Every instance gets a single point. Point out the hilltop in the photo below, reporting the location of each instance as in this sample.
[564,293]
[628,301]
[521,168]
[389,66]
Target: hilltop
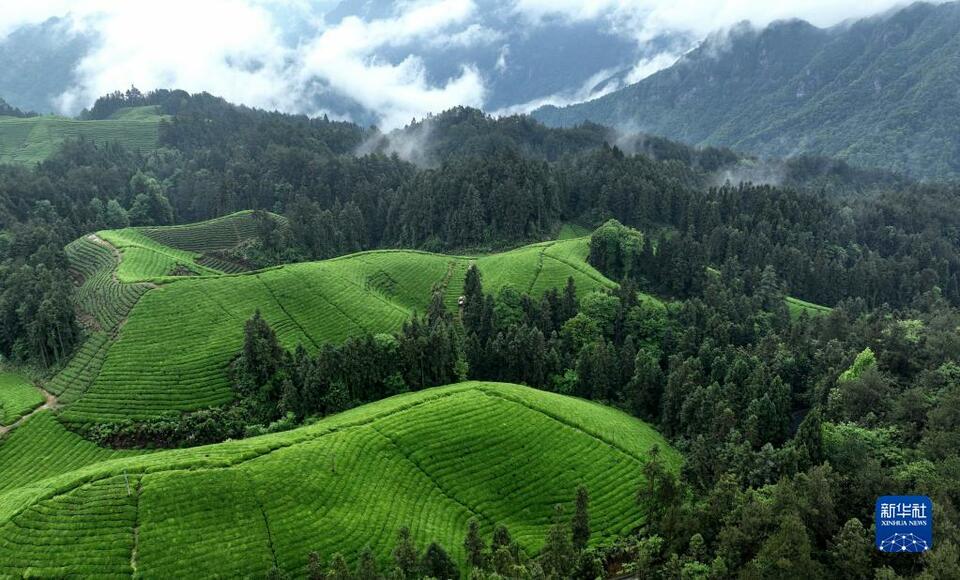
[431,460]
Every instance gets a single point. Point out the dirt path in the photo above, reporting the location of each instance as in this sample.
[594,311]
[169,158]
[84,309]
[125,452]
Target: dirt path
[117,256]
[50,402]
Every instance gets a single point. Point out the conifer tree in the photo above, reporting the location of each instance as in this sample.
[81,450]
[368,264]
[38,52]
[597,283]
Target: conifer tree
[580,524]
[474,545]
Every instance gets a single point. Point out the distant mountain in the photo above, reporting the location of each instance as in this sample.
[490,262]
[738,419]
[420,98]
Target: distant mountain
[879,92]
[37,64]
[522,65]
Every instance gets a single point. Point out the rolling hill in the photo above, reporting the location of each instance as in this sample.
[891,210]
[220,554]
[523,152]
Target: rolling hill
[431,460]
[33,139]
[160,342]
[880,92]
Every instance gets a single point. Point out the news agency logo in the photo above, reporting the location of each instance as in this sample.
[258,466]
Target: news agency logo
[904,523]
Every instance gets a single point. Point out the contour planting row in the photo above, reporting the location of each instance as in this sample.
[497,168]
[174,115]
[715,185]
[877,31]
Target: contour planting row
[174,350]
[87,532]
[18,397]
[430,460]
[220,233]
[145,259]
[33,139]
[42,447]
[101,295]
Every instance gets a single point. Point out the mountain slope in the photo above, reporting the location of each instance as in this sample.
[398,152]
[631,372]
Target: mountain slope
[880,92]
[162,342]
[430,460]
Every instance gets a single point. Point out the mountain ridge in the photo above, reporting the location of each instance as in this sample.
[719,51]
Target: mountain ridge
[875,92]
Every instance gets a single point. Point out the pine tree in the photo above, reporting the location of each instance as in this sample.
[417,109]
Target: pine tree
[580,524]
[405,553]
[501,537]
[436,563]
[262,352]
[852,551]
[557,553]
[367,565]
[473,299]
[568,303]
[474,545]
[339,569]
[315,567]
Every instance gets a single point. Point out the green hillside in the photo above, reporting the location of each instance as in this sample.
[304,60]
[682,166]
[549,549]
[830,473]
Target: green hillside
[17,397]
[41,448]
[797,307]
[160,342]
[431,460]
[173,351]
[33,139]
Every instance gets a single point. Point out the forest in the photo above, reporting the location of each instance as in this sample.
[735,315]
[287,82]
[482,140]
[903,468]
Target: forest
[791,422]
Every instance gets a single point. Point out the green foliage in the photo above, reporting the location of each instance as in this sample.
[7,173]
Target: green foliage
[865,360]
[184,367]
[17,397]
[34,139]
[209,509]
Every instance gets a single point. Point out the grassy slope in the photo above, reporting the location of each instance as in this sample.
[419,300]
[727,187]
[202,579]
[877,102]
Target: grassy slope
[33,139]
[173,351]
[18,397]
[431,460]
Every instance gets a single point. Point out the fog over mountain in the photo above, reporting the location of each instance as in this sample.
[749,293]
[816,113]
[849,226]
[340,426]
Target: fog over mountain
[879,92]
[370,61]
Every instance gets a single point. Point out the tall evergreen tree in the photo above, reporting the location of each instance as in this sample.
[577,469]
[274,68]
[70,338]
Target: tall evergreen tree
[436,563]
[405,553]
[473,544]
[580,524]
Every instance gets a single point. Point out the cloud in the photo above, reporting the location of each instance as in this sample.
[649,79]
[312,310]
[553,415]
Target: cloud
[282,54]
[345,57]
[599,84]
[243,60]
[237,49]
[648,66]
[646,19]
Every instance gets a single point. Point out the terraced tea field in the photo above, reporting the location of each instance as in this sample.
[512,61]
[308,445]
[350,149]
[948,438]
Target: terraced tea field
[431,460]
[174,348]
[151,254]
[217,234]
[33,139]
[41,447]
[18,397]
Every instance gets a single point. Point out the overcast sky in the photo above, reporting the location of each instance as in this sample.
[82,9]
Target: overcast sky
[272,53]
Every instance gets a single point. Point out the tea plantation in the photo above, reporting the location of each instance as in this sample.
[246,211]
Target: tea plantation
[17,397]
[430,460]
[33,139]
[173,350]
